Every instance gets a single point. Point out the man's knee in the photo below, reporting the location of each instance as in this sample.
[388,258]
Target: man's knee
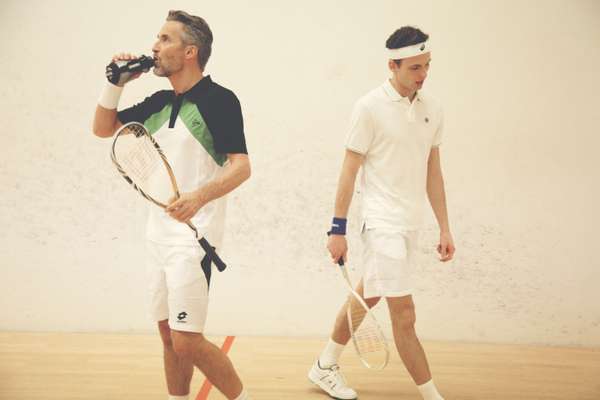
[403,315]
[372,301]
[407,320]
[186,344]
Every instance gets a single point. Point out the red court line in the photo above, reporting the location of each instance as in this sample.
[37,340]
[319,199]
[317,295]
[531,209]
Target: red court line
[206,386]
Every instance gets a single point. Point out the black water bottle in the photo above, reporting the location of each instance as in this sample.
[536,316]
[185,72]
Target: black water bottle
[119,72]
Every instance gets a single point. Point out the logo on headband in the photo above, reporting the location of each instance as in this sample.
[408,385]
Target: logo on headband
[409,51]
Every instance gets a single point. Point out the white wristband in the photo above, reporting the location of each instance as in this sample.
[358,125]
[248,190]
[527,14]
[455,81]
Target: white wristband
[109,98]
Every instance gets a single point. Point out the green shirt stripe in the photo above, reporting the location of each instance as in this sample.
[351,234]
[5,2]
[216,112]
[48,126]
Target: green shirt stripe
[157,120]
[194,122]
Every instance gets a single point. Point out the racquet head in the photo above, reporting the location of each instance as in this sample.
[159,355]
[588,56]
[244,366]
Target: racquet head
[140,160]
[367,336]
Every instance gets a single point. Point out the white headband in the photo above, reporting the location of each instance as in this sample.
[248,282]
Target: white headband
[409,51]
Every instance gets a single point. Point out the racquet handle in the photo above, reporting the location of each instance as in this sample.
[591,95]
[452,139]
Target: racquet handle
[212,254]
[341,261]
[208,249]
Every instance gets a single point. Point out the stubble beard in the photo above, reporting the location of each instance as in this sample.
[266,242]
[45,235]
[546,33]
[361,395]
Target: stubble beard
[160,71]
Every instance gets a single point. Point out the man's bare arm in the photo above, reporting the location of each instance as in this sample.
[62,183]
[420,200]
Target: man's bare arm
[337,245]
[435,189]
[437,198]
[106,122]
[345,190]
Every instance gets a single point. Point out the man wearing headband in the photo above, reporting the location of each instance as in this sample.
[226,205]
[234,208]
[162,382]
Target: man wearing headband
[395,133]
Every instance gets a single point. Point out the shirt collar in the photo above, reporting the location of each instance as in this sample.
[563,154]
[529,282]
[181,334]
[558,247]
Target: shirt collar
[393,94]
[200,87]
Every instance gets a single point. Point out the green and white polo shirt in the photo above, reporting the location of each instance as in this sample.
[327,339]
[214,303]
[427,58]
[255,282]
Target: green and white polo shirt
[196,130]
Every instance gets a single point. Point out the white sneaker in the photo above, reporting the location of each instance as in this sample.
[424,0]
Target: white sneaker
[331,381]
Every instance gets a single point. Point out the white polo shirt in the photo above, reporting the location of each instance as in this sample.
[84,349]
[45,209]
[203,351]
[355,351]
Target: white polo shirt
[396,137]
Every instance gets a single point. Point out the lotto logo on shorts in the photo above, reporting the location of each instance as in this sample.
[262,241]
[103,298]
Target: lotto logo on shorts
[181,316]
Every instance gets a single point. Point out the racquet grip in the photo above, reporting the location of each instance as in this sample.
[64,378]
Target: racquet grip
[212,254]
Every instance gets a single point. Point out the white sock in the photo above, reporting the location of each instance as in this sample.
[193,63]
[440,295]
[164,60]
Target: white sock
[171,397]
[429,391]
[243,396]
[331,354]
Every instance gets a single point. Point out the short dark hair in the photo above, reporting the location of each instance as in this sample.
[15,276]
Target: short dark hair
[405,36]
[195,32]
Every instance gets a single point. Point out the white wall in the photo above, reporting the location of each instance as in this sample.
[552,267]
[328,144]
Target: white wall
[519,81]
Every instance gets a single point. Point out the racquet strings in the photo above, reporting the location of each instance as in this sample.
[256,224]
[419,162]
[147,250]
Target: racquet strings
[366,334]
[141,161]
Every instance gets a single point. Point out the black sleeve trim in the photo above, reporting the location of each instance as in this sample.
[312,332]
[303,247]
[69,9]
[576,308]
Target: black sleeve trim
[222,113]
[142,111]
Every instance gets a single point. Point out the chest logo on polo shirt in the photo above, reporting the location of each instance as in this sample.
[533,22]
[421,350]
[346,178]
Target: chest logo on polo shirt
[426,119]
[422,47]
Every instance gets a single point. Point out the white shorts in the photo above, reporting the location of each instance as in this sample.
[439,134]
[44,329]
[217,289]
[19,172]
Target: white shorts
[389,258]
[178,285]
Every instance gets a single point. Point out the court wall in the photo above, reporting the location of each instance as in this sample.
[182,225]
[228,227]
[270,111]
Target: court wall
[519,84]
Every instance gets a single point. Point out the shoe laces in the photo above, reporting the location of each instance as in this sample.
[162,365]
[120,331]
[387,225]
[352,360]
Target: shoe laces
[336,375]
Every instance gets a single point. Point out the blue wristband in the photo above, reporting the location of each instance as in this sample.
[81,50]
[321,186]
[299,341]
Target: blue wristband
[338,226]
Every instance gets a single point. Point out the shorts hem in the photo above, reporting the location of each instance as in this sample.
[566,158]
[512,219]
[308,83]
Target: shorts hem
[386,293]
[159,317]
[399,294]
[186,328]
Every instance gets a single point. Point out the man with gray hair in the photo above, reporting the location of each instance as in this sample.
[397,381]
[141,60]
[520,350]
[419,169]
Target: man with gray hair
[200,129]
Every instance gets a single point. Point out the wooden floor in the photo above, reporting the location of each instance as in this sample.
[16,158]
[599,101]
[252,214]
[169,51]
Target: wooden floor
[108,366]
